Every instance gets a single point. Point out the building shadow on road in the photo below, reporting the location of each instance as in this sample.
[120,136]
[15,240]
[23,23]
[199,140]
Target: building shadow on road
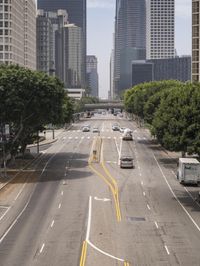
[48,167]
[187,200]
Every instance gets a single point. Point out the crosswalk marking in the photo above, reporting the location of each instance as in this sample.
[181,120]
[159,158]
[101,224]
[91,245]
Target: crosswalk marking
[103,137]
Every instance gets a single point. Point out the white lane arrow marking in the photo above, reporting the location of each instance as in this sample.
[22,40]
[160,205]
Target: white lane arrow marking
[104,199]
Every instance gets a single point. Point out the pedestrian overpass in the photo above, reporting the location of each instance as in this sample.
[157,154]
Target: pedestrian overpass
[104,104]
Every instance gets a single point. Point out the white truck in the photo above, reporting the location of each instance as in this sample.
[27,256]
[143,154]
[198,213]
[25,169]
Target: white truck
[188,171]
[127,134]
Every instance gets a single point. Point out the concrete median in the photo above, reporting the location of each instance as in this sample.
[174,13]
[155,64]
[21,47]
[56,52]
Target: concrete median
[96,150]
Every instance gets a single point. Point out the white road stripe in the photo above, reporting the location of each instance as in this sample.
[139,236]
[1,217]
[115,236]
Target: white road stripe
[29,199]
[88,137]
[59,206]
[20,191]
[52,223]
[142,183]
[43,245]
[8,208]
[140,174]
[76,137]
[61,193]
[117,147]
[144,194]
[148,207]
[82,137]
[103,252]
[89,219]
[173,173]
[156,224]
[198,228]
[167,249]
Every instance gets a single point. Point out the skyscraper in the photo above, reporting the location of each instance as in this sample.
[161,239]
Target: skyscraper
[92,75]
[18,33]
[72,56]
[130,39]
[49,39]
[160,29]
[195,40]
[76,10]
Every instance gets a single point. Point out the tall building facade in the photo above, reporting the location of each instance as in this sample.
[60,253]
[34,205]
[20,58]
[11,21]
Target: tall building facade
[130,35]
[195,40]
[160,27]
[29,34]
[177,68]
[76,10]
[50,42]
[18,32]
[92,75]
[72,56]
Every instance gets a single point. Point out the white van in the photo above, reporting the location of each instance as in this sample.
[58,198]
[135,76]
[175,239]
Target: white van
[126,162]
[127,134]
[189,171]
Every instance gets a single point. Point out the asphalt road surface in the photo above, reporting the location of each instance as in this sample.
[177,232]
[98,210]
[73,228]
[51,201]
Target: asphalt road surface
[68,210]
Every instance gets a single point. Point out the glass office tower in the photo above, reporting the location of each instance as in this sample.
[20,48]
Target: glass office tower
[76,10]
[130,40]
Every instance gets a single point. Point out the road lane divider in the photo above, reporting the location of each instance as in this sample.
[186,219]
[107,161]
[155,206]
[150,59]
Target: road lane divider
[118,213]
[87,241]
[83,253]
[108,179]
[114,183]
[115,189]
[173,193]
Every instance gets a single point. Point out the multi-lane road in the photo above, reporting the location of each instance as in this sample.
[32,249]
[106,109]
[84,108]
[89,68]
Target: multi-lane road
[68,210]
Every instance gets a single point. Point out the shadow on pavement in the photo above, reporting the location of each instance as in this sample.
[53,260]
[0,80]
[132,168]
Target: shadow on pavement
[71,164]
[187,201]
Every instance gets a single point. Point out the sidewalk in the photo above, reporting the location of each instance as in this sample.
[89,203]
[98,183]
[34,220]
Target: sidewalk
[50,137]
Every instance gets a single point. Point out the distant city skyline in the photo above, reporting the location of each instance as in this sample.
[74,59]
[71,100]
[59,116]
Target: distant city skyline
[100,29]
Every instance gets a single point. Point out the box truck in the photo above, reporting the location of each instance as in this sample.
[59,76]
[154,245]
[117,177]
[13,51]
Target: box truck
[188,171]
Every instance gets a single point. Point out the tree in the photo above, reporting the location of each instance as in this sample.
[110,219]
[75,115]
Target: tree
[176,123]
[28,100]
[136,98]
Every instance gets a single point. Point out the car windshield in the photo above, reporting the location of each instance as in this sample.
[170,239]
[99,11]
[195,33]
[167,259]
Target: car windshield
[127,159]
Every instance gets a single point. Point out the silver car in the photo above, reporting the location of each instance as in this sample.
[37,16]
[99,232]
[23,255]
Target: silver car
[126,162]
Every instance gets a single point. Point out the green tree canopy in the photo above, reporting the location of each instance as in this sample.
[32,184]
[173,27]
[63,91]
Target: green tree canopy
[136,98]
[176,123]
[29,100]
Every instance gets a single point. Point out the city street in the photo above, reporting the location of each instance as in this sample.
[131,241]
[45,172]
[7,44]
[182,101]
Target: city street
[69,210]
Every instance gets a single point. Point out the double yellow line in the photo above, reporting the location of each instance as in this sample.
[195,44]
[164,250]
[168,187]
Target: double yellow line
[115,192]
[111,182]
[126,264]
[83,253]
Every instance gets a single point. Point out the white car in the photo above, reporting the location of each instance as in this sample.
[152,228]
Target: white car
[85,129]
[126,162]
[122,129]
[95,130]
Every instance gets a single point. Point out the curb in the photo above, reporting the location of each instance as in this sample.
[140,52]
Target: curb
[42,143]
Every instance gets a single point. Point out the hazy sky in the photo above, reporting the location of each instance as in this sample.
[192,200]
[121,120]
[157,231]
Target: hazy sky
[100,28]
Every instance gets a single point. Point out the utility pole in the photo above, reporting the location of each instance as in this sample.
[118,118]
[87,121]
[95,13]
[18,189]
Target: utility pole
[3,141]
